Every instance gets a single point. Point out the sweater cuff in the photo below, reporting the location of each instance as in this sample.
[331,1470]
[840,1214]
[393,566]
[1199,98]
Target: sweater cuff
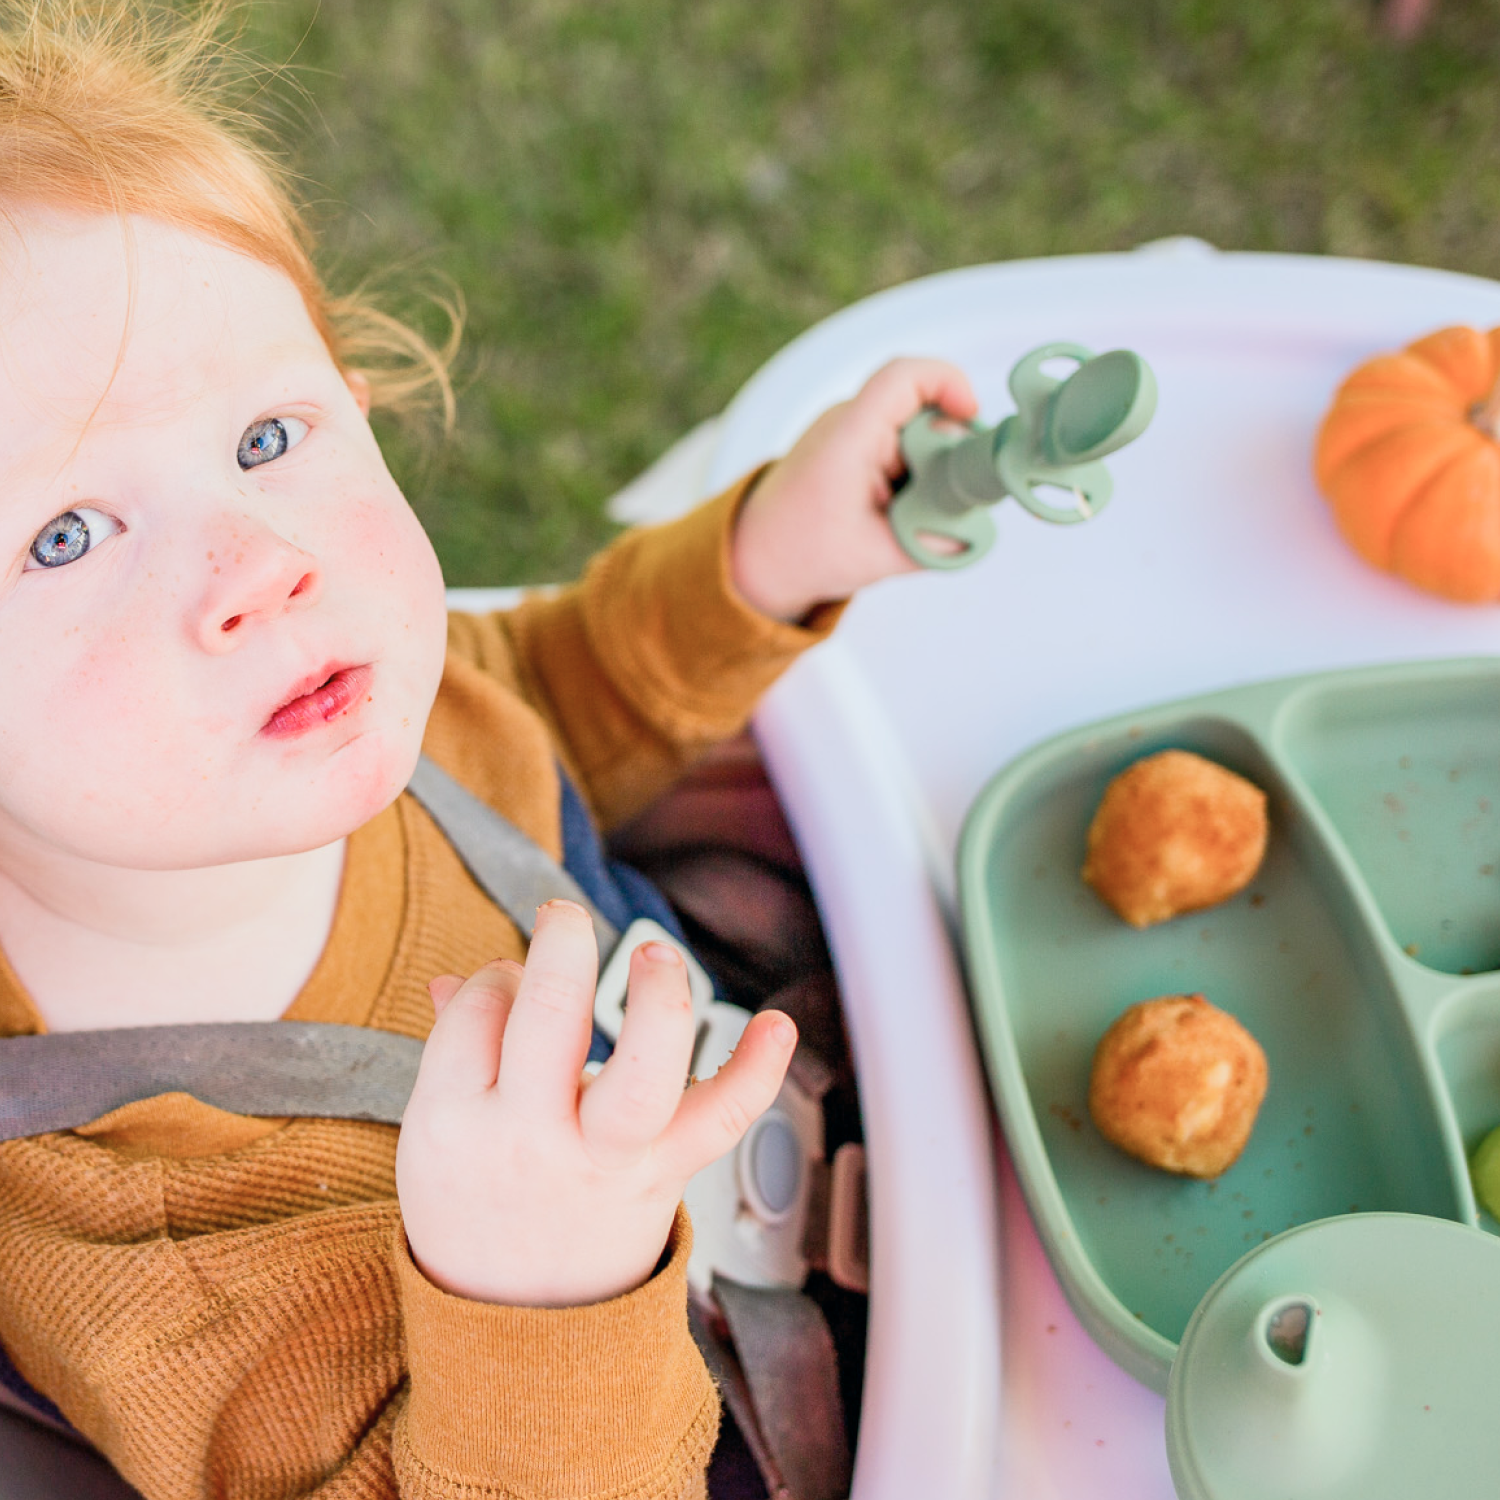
[663,616]
[611,1399]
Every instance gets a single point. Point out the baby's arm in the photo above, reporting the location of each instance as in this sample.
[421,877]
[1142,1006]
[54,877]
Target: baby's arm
[519,1184]
[675,631]
[522,1182]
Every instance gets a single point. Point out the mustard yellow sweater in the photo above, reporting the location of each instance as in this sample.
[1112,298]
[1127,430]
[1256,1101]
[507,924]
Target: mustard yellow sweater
[226,1306]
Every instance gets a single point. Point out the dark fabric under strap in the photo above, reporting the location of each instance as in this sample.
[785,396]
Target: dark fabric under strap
[299,1068]
[515,872]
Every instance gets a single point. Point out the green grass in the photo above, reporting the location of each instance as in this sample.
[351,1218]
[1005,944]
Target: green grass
[643,201]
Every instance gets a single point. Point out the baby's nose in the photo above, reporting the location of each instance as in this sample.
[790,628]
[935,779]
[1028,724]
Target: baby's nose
[254,576]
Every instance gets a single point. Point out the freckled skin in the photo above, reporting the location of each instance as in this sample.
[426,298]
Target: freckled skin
[136,681]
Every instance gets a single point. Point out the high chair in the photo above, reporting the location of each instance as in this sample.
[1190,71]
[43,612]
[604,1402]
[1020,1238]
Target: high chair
[1216,564]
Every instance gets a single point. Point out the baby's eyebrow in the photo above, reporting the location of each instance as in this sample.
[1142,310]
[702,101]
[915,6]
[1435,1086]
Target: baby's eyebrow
[301,354]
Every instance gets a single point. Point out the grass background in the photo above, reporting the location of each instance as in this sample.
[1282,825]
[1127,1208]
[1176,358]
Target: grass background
[641,202]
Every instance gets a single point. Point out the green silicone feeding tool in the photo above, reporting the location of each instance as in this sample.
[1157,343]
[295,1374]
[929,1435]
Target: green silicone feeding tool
[1059,433]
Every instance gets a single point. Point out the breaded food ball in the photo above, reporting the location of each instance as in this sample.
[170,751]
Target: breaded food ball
[1177,1083]
[1174,833]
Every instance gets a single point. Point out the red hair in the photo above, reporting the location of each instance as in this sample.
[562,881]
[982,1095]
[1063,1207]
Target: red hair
[126,109]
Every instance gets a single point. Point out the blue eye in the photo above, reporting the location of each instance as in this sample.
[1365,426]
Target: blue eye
[67,537]
[268,439]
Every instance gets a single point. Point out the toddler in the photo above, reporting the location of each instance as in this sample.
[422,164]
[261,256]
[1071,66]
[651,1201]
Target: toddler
[223,645]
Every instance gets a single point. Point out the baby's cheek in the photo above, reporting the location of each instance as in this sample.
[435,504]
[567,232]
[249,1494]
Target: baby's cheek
[70,738]
[392,564]
[103,713]
[386,543]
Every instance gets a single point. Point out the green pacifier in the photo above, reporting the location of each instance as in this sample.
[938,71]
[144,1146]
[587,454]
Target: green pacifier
[1056,439]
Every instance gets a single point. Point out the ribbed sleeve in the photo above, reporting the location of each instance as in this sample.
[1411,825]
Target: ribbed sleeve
[647,661]
[637,1415]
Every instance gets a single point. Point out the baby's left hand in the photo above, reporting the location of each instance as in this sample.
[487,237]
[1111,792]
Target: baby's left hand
[814,529]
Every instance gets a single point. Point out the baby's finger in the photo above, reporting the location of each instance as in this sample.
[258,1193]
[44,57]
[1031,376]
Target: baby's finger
[902,388]
[464,1046]
[635,1096]
[547,1036]
[716,1113]
[443,989]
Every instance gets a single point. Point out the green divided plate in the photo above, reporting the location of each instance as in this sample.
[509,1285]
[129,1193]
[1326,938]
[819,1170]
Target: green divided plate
[1365,957]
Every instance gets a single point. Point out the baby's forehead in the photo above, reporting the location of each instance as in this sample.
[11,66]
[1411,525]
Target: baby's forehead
[128,312]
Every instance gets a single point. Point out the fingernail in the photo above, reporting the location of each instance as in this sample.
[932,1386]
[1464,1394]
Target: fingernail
[661,953]
[784,1032]
[562,904]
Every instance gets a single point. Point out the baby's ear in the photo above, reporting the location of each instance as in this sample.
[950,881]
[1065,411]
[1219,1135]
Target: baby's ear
[359,387]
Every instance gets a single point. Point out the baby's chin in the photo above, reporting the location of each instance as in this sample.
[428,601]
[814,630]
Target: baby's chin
[287,814]
[355,785]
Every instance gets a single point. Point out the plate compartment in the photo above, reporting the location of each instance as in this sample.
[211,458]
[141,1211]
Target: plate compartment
[1365,958]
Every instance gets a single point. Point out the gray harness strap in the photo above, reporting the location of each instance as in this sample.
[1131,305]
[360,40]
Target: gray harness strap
[516,873]
[298,1068]
[784,1347]
[303,1068]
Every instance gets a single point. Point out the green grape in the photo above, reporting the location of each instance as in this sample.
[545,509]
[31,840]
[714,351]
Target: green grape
[1484,1169]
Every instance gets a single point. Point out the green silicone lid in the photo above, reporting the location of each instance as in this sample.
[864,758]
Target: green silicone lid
[1353,1358]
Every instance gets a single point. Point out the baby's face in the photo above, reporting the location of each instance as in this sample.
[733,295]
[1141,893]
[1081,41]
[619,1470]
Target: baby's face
[221,627]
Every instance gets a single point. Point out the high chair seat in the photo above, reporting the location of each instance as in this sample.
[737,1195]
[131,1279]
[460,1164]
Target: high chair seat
[1216,563]
[36,1464]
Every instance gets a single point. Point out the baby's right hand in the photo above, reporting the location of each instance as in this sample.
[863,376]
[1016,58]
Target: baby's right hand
[522,1182]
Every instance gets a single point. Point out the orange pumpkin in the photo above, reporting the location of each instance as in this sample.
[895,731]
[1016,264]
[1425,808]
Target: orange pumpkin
[1409,458]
